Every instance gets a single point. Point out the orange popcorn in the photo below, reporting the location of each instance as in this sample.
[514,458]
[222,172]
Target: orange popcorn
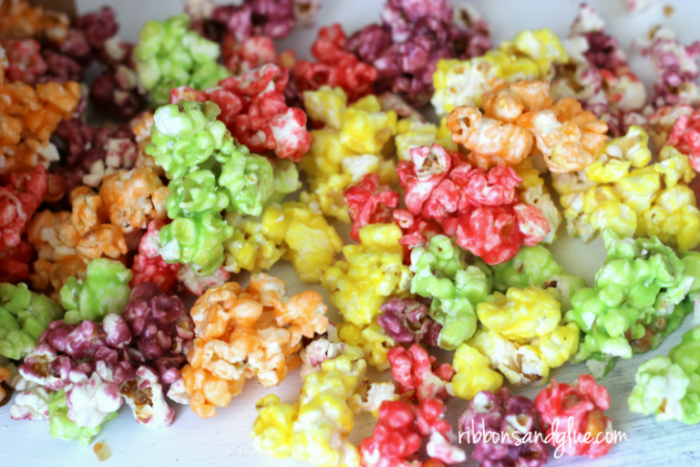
[66,241]
[520,119]
[19,20]
[244,333]
[132,198]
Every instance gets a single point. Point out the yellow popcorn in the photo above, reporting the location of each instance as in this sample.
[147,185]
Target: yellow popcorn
[674,166]
[619,155]
[604,209]
[316,429]
[639,189]
[248,248]
[371,272]
[533,192]
[520,314]
[529,56]
[572,188]
[673,218]
[473,373]
[354,142]
[558,346]
[309,242]
[372,339]
[412,133]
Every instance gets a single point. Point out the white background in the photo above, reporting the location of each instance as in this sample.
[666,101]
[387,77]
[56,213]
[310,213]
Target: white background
[224,440]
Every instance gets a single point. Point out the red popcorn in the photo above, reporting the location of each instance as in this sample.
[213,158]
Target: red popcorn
[273,18]
[369,202]
[418,374]
[685,136]
[413,37]
[149,266]
[336,67]
[399,433]
[572,417]
[163,326]
[253,52]
[481,208]
[15,261]
[25,61]
[416,231]
[18,202]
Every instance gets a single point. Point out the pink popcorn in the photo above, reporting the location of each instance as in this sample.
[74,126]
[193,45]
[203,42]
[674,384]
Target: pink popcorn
[31,405]
[149,266]
[406,320]
[25,61]
[324,347]
[91,400]
[685,136]
[144,395]
[369,202]
[418,374]
[197,284]
[45,367]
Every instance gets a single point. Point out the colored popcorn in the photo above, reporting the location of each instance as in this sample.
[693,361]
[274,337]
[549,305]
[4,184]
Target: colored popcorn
[372,339]
[407,321]
[418,374]
[371,272]
[473,373]
[369,203]
[637,300]
[533,192]
[149,266]
[579,408]
[168,56]
[21,20]
[666,386]
[244,333]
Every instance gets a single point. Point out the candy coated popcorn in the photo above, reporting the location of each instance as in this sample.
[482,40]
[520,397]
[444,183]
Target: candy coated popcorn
[25,62]
[531,266]
[91,401]
[533,192]
[373,339]
[104,290]
[248,248]
[371,272]
[406,320]
[616,158]
[324,347]
[369,203]
[317,427]
[240,334]
[440,273]
[18,202]
[144,395]
[472,373]
[667,386]
[412,133]
[149,266]
[20,20]
[168,56]
[581,407]
[418,374]
[32,405]
[637,300]
[15,261]
[520,314]
[309,242]
[683,138]
[529,56]
[62,427]
[512,417]
[24,315]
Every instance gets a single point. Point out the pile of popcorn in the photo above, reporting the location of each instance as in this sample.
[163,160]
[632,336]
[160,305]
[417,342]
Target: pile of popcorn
[218,155]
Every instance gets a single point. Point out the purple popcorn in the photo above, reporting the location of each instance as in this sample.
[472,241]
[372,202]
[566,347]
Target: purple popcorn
[98,26]
[413,36]
[406,320]
[47,368]
[146,397]
[503,419]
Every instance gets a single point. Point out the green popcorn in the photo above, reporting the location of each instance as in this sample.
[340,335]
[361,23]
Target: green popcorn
[286,180]
[248,180]
[24,315]
[637,300]
[197,241]
[531,266]
[669,387]
[440,272]
[63,428]
[185,136]
[193,193]
[105,290]
[169,55]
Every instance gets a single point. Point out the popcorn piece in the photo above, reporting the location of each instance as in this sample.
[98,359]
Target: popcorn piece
[90,402]
[371,272]
[319,350]
[144,395]
[369,203]
[581,407]
[418,374]
[533,192]
[149,266]
[64,428]
[18,202]
[32,405]
[473,374]
[406,320]
[310,243]
[241,334]
[374,341]
[248,248]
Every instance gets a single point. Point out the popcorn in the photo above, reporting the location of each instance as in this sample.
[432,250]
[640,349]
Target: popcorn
[18,202]
[62,427]
[258,18]
[144,395]
[411,133]
[350,146]
[25,61]
[579,407]
[31,405]
[20,20]
[364,200]
[440,273]
[503,414]
[371,272]
[309,242]
[15,261]
[406,320]
[532,192]
[473,374]
[149,266]
[373,339]
[24,315]
[324,347]
[418,374]
[665,384]
[682,137]
[248,248]
[91,401]
[637,300]
[241,334]
[529,56]
[168,56]
[104,290]
[405,48]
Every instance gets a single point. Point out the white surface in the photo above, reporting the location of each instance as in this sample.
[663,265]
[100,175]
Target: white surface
[224,440]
